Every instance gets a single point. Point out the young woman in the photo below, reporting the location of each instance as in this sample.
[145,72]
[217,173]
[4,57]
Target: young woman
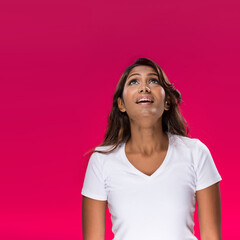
[148,170]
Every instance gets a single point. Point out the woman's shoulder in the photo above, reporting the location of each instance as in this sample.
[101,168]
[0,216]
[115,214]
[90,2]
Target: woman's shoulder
[108,150]
[106,154]
[103,148]
[186,141]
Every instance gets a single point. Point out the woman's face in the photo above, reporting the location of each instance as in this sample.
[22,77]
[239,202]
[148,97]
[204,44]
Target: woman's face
[143,81]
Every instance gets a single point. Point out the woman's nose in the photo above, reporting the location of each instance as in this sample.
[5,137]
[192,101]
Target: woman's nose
[144,89]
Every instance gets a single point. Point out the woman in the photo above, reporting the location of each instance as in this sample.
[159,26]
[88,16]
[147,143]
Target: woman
[148,171]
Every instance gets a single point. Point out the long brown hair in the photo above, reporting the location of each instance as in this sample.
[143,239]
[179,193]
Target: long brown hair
[118,129]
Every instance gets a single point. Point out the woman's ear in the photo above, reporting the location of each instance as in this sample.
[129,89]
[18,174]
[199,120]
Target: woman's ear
[167,103]
[121,105]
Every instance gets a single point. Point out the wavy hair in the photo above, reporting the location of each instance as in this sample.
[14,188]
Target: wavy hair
[118,127]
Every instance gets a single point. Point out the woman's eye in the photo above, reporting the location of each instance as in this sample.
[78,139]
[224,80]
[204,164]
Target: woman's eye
[134,80]
[155,80]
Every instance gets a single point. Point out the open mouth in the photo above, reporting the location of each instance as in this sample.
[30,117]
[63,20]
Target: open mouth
[144,102]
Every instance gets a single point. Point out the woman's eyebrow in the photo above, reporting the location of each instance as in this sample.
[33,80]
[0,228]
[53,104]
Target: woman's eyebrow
[139,74]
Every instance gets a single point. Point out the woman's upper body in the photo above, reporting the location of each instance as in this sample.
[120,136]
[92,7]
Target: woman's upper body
[152,177]
[156,206]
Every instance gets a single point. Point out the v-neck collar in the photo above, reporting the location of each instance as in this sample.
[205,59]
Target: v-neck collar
[162,166]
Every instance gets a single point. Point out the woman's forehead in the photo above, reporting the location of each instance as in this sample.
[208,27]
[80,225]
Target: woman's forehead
[142,68]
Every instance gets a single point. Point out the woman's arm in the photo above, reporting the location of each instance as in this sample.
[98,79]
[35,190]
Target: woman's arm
[209,212]
[93,218]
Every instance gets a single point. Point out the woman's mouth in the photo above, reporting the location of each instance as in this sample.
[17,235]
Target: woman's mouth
[145,103]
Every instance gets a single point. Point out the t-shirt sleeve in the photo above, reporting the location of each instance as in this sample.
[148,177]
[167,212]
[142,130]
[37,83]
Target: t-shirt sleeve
[93,185]
[205,168]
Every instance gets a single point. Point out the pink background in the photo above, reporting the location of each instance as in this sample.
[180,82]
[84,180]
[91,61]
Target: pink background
[60,64]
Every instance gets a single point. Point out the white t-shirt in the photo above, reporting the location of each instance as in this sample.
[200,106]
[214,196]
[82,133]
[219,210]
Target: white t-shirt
[156,207]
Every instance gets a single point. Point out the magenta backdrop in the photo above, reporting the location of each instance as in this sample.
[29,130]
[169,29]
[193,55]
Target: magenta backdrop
[60,63]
